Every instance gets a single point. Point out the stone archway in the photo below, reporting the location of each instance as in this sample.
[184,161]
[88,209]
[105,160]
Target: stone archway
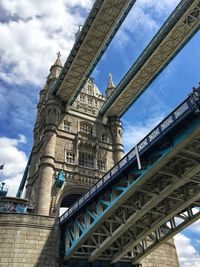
[68,196]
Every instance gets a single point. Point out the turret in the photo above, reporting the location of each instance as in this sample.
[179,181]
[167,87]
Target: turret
[42,157]
[54,73]
[111,86]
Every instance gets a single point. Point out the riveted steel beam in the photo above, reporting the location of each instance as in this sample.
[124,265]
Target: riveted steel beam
[103,224]
[170,213]
[173,230]
[98,31]
[144,209]
[179,28]
[145,202]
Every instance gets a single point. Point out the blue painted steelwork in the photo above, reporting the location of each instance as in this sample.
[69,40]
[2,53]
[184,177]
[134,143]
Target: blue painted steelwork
[60,179]
[77,236]
[24,178]
[91,17]
[163,130]
[124,179]
[84,263]
[3,190]
[13,205]
[146,54]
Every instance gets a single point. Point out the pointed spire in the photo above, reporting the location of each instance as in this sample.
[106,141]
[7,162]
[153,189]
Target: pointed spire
[111,83]
[55,71]
[55,68]
[58,61]
[111,86]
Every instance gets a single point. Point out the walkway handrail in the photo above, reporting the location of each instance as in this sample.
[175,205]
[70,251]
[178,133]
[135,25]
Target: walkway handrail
[187,106]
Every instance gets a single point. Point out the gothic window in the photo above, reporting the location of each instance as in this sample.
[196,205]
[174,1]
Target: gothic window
[96,103]
[104,138]
[89,101]
[86,128]
[86,160]
[41,134]
[101,165]
[70,157]
[82,98]
[66,126]
[38,162]
[89,89]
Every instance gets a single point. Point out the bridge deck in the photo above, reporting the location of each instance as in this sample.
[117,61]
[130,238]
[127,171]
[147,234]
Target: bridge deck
[179,28]
[99,29]
[131,211]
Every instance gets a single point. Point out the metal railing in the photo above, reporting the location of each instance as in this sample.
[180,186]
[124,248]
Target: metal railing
[147,52]
[189,104]
[3,190]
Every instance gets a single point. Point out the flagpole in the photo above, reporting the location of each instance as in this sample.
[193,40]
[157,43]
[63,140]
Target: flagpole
[2,169]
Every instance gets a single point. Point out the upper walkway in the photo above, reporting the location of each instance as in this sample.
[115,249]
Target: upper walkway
[98,31]
[145,199]
[178,29]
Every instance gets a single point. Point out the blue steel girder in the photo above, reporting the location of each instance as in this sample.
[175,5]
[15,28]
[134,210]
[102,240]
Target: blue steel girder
[159,234]
[138,202]
[24,177]
[98,31]
[179,28]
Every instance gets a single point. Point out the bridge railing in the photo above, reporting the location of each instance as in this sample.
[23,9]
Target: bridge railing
[187,106]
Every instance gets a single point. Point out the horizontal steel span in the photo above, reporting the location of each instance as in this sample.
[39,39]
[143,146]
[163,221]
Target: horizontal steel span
[182,24]
[132,210]
[99,29]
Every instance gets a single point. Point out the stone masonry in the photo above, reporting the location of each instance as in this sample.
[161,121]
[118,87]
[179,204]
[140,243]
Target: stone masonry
[79,142]
[28,241]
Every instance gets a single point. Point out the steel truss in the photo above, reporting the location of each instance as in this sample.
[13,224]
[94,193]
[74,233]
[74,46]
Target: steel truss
[130,219]
[100,27]
[164,232]
[183,23]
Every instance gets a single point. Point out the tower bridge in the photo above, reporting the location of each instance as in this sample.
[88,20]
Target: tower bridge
[135,206]
[98,31]
[122,209]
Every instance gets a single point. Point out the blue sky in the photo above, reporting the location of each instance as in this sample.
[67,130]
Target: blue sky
[31,32]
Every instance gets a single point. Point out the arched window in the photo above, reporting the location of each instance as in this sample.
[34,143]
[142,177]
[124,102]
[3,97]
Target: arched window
[41,134]
[86,128]
[86,159]
[66,126]
[89,89]
[90,102]
[70,157]
[96,104]
[82,98]
[104,138]
[101,165]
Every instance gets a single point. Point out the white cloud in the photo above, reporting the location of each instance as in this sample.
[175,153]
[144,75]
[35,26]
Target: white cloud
[32,32]
[15,161]
[144,18]
[188,255]
[195,227]
[132,134]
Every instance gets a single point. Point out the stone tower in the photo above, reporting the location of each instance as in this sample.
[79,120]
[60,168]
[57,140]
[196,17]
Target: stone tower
[73,140]
[78,145]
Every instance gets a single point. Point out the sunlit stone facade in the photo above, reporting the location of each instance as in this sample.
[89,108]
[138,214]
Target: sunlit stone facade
[78,141]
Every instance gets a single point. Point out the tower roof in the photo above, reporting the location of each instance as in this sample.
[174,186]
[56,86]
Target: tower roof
[110,83]
[55,68]
[111,86]
[58,61]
